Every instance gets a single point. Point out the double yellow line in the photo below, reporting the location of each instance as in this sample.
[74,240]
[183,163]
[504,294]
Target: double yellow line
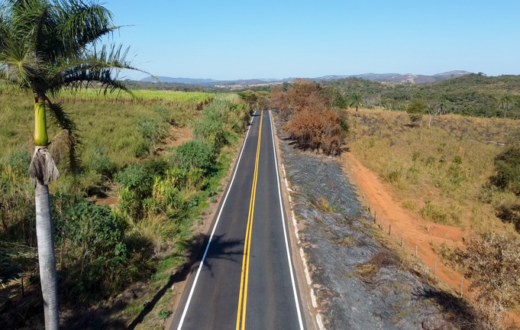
[242,298]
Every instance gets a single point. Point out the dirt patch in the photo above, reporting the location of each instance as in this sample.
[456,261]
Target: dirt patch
[414,231]
[359,283]
[176,137]
[110,201]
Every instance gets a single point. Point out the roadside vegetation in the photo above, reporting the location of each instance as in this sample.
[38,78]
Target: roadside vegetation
[310,115]
[159,192]
[457,171]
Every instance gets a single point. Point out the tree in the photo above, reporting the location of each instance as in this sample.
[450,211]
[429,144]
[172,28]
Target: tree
[506,103]
[46,46]
[415,109]
[356,101]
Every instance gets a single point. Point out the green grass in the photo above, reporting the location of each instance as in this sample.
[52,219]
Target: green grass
[190,97]
[92,94]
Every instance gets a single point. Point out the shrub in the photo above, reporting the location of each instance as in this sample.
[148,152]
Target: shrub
[434,213]
[195,154]
[165,115]
[100,163]
[135,176]
[415,109]
[153,130]
[98,260]
[316,130]
[492,263]
[507,165]
[211,130]
[310,121]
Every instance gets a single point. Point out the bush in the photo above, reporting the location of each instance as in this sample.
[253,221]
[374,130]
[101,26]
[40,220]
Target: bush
[416,109]
[492,263]
[100,163]
[153,130]
[316,130]
[310,120]
[211,130]
[98,260]
[507,165]
[195,154]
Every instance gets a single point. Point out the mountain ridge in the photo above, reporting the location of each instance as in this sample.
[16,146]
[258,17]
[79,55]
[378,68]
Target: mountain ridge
[386,77]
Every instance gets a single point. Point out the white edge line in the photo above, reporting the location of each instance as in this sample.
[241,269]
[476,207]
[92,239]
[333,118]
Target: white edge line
[285,231]
[213,232]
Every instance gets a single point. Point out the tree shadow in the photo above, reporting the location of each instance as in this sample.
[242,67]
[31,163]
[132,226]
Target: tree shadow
[193,252]
[455,309]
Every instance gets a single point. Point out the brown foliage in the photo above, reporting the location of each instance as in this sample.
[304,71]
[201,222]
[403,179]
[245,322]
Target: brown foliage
[492,263]
[316,130]
[309,120]
[278,98]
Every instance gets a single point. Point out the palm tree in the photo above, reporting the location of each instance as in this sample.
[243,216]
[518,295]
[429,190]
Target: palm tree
[355,101]
[505,103]
[46,46]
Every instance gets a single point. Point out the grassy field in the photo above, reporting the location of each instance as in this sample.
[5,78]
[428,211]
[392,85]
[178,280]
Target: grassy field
[440,173]
[157,197]
[92,94]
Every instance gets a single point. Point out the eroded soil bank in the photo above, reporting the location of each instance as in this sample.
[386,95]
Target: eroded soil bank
[359,283]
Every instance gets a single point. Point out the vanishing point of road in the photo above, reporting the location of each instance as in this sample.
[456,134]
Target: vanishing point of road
[245,278]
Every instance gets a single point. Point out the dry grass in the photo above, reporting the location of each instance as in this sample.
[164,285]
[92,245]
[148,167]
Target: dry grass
[440,173]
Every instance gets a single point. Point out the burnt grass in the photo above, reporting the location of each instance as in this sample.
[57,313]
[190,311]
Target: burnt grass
[358,282]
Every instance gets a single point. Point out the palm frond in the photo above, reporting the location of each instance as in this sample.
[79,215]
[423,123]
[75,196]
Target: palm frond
[101,67]
[83,23]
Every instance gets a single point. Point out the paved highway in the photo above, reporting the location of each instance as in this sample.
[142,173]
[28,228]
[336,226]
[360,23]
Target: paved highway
[244,278]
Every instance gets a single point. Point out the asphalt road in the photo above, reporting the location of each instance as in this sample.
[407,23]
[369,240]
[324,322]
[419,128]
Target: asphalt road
[246,280]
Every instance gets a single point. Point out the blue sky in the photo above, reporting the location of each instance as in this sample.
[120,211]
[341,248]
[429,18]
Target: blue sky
[279,39]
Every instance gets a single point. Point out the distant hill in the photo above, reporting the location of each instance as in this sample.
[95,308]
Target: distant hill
[468,94]
[387,77]
[180,80]
[410,78]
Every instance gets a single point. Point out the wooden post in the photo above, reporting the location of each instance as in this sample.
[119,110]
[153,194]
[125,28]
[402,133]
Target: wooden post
[416,251]
[461,287]
[435,268]
[375,217]
[23,291]
[389,229]
[401,240]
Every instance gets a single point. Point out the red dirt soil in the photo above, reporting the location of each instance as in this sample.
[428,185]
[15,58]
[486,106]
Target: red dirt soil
[414,231]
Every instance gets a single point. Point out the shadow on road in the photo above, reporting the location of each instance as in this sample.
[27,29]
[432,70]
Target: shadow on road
[193,253]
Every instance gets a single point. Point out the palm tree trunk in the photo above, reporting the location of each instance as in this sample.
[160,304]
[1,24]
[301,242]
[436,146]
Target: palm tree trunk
[43,171]
[46,257]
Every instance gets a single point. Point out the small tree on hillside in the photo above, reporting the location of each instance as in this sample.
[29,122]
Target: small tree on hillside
[507,165]
[356,100]
[415,109]
[506,103]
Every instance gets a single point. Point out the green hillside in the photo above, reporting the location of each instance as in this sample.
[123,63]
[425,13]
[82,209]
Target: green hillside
[474,94]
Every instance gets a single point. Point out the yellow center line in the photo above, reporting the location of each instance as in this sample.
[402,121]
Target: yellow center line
[242,298]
